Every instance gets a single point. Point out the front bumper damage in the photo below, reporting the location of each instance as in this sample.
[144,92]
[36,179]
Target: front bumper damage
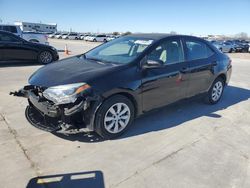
[65,118]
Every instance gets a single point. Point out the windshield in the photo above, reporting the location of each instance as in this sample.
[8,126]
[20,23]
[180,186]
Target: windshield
[122,50]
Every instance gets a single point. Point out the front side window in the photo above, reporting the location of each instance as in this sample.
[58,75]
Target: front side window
[197,50]
[123,50]
[169,52]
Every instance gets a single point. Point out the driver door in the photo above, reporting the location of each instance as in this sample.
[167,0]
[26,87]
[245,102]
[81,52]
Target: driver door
[167,83]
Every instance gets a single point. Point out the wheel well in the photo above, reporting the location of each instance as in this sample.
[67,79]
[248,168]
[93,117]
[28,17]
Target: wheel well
[223,77]
[130,97]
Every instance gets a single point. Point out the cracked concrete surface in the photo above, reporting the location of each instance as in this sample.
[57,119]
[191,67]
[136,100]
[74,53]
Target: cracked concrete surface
[185,145]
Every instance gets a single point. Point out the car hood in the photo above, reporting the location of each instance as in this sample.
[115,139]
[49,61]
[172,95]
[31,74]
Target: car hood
[71,70]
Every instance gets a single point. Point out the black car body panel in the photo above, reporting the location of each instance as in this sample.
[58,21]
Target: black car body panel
[147,88]
[22,50]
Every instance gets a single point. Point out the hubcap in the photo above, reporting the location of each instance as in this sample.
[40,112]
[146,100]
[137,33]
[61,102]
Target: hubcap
[117,118]
[46,57]
[217,90]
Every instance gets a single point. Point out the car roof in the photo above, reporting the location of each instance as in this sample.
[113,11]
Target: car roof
[8,25]
[157,36]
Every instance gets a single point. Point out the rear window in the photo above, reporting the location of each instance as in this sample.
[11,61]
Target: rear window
[197,50]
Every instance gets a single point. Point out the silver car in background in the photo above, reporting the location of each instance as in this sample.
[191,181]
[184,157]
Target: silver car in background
[225,47]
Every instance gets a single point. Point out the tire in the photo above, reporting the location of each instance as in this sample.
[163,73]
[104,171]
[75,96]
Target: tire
[94,40]
[45,57]
[231,50]
[107,124]
[214,94]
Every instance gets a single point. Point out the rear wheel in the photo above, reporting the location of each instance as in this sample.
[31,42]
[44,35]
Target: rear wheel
[215,92]
[45,57]
[114,117]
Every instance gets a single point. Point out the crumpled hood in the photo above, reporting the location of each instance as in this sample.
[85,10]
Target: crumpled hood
[71,70]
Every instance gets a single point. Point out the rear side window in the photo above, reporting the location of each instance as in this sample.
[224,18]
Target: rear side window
[7,38]
[197,50]
[11,29]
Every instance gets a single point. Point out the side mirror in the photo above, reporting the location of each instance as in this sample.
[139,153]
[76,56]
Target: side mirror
[153,64]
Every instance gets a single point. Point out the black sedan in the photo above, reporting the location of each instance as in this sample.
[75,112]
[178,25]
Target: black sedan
[107,87]
[16,49]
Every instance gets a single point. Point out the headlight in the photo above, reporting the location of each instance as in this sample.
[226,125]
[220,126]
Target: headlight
[64,94]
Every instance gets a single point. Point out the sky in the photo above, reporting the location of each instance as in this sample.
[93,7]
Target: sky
[199,17]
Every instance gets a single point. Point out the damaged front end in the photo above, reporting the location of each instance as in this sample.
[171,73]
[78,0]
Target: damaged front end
[67,115]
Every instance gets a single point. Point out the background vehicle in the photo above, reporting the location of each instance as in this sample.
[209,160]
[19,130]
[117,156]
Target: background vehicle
[60,36]
[29,36]
[93,98]
[89,37]
[12,29]
[36,37]
[15,49]
[238,47]
[71,36]
[111,37]
[98,38]
[81,36]
[53,35]
[225,47]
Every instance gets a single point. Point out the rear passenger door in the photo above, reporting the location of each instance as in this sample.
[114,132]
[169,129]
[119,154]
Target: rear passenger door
[201,61]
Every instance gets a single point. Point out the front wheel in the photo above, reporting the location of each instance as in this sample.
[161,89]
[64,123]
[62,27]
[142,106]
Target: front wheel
[215,92]
[114,117]
[45,57]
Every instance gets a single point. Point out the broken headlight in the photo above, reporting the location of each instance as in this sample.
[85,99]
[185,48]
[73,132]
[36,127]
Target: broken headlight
[64,94]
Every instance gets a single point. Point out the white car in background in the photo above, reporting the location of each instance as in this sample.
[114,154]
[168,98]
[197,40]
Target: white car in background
[35,37]
[53,35]
[112,37]
[71,36]
[97,38]
[89,37]
[83,36]
[60,36]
